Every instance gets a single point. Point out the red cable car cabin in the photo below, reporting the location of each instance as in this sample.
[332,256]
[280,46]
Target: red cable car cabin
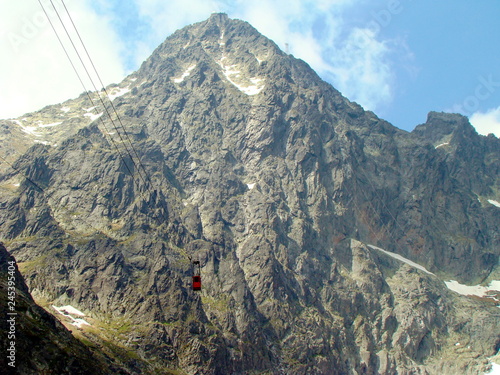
[196,275]
[196,282]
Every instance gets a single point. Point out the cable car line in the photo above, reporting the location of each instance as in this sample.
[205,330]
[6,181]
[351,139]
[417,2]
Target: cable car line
[83,84]
[106,109]
[87,92]
[95,87]
[110,117]
[105,91]
[196,283]
[146,180]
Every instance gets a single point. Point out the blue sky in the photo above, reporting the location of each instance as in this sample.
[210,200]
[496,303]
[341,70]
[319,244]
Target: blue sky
[399,58]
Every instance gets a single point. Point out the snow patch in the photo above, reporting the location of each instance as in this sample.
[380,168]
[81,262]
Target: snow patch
[231,74]
[117,92]
[89,109]
[256,88]
[442,144]
[42,142]
[494,203]
[221,43]
[251,186]
[65,109]
[185,74]
[70,312]
[495,369]
[92,116]
[31,130]
[402,259]
[474,290]
[260,61]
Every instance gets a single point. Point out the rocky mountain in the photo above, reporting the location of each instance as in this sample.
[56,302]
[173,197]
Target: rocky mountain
[325,234]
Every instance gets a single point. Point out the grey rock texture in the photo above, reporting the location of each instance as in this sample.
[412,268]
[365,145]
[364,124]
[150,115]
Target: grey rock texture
[244,159]
[42,345]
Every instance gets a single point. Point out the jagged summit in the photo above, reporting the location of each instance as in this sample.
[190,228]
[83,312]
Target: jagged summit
[440,125]
[231,49]
[219,17]
[312,219]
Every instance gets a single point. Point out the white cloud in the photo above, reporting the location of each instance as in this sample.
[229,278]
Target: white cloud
[34,70]
[488,122]
[361,69]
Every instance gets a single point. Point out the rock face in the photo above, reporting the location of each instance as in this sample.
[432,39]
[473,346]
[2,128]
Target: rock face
[41,343]
[229,151]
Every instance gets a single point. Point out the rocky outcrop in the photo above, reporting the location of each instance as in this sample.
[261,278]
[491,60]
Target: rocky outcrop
[241,157]
[35,341]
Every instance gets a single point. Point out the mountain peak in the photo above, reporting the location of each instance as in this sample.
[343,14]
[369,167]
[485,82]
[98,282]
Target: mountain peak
[218,17]
[441,126]
[229,43]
